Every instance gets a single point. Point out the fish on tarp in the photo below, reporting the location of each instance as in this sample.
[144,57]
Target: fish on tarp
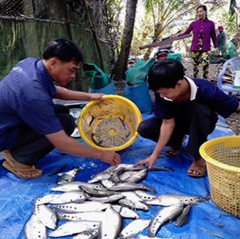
[46,215]
[134,228]
[125,212]
[88,206]
[144,196]
[95,192]
[107,199]
[74,227]
[85,216]
[170,199]
[34,228]
[162,216]
[90,234]
[181,220]
[66,197]
[129,186]
[110,225]
[71,186]
[68,176]
[133,176]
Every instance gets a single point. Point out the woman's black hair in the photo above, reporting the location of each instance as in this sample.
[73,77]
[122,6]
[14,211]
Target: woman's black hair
[165,74]
[64,50]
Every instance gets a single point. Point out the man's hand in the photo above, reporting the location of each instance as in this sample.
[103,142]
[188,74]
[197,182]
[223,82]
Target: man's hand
[96,96]
[150,161]
[110,157]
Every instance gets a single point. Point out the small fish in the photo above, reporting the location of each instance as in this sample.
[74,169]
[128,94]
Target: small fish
[71,186]
[181,220]
[108,199]
[163,215]
[34,229]
[90,234]
[145,196]
[46,215]
[97,193]
[74,227]
[170,199]
[68,176]
[88,206]
[84,216]
[131,187]
[134,228]
[110,231]
[134,176]
[125,211]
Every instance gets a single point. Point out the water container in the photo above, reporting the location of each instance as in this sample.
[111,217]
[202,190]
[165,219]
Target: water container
[236,82]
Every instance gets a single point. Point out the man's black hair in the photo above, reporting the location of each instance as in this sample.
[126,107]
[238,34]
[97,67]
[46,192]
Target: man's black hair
[165,74]
[64,50]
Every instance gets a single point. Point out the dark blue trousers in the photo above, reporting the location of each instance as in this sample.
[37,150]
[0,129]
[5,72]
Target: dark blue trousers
[198,122]
[30,147]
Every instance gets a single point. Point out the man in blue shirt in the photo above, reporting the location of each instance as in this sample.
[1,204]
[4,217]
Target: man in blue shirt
[30,124]
[183,106]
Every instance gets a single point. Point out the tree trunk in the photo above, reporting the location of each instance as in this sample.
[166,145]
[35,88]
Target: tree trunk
[122,61]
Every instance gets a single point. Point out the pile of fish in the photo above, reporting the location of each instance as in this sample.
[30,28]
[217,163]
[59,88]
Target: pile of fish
[96,209]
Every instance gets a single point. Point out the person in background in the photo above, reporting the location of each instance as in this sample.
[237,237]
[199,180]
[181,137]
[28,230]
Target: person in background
[31,125]
[183,106]
[222,39]
[203,31]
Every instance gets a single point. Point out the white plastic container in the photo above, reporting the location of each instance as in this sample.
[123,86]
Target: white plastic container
[236,82]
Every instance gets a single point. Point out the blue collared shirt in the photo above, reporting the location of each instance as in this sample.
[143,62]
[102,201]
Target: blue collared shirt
[26,98]
[201,91]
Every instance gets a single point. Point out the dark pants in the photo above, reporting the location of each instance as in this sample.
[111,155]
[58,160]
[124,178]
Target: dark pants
[30,147]
[198,123]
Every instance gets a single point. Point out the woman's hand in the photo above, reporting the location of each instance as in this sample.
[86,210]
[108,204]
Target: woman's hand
[150,161]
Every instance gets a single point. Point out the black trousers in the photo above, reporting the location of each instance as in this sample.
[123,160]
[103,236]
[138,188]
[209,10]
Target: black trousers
[30,147]
[198,122]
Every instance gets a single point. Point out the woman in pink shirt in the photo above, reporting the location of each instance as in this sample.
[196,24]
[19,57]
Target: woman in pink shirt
[203,31]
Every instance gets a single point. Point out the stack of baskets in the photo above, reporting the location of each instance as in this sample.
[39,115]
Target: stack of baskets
[111,124]
[222,157]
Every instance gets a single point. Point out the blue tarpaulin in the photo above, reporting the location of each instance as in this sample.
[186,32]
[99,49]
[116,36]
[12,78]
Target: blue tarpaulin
[205,221]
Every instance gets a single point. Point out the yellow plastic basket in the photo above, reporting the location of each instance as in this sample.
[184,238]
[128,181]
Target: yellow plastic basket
[222,157]
[110,125]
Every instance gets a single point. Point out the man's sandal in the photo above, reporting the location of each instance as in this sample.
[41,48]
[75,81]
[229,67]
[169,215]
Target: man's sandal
[172,153]
[26,173]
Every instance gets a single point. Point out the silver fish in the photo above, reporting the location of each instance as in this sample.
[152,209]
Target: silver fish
[170,199]
[144,196]
[163,215]
[71,186]
[95,192]
[90,234]
[181,220]
[85,216]
[71,196]
[74,227]
[68,176]
[110,232]
[134,228]
[133,204]
[131,187]
[125,212]
[107,183]
[34,229]
[88,206]
[108,199]
[133,176]
[46,215]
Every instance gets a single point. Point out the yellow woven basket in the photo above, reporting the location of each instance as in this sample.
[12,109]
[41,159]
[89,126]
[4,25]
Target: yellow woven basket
[110,125]
[222,157]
